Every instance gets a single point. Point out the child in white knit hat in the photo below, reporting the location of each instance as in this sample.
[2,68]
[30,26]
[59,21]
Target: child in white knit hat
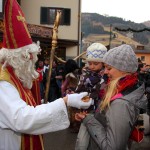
[92,79]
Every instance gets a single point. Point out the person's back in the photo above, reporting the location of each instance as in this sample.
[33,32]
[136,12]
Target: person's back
[53,87]
[144,77]
[59,75]
[71,77]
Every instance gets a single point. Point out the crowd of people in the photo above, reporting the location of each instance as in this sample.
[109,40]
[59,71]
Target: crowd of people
[115,85]
[55,81]
[111,79]
[144,77]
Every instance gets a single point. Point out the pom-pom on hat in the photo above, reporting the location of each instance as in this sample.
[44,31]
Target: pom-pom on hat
[122,58]
[16,34]
[95,52]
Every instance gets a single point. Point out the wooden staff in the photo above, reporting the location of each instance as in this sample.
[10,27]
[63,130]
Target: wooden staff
[80,55]
[59,59]
[54,46]
[63,61]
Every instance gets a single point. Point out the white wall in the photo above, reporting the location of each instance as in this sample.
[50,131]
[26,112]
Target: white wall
[31,9]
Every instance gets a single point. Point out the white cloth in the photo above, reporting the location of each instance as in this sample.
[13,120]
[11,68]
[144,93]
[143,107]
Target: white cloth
[17,117]
[75,100]
[45,67]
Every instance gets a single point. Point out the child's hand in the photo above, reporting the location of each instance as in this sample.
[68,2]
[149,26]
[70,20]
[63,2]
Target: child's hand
[80,116]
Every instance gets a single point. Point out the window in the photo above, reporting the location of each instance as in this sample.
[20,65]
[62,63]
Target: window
[142,58]
[52,14]
[48,15]
[1,8]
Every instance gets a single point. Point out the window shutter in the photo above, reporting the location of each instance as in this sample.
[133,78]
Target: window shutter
[66,16]
[44,15]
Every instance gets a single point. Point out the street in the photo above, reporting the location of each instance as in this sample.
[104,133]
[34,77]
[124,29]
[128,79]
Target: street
[65,140]
[61,140]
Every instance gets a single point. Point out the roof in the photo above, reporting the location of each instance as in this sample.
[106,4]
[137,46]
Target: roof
[142,51]
[43,34]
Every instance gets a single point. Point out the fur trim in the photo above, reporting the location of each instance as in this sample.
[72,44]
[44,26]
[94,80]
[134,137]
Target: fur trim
[34,47]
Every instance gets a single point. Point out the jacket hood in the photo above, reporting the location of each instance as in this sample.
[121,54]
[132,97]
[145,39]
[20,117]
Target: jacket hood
[137,97]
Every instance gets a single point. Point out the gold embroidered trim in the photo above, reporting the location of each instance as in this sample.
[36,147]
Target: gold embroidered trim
[10,25]
[31,143]
[22,19]
[41,140]
[22,143]
[4,76]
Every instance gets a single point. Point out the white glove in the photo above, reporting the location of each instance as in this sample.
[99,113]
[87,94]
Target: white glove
[74,100]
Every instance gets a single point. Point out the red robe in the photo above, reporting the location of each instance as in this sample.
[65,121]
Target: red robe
[32,98]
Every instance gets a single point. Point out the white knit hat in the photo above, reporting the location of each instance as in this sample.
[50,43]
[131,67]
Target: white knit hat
[95,52]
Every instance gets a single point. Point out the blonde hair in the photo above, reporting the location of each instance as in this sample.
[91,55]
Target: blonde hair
[112,89]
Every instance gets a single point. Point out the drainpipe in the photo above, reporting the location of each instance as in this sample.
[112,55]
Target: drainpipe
[79,32]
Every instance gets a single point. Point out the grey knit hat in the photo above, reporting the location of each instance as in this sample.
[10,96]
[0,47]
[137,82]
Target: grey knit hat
[95,52]
[122,58]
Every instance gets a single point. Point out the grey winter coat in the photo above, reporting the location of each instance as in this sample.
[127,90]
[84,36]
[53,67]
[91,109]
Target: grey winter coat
[111,130]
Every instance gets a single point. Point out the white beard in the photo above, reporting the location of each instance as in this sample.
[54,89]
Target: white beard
[24,67]
[27,73]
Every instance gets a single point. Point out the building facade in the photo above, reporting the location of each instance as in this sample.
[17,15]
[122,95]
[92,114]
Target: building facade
[40,16]
[43,13]
[143,55]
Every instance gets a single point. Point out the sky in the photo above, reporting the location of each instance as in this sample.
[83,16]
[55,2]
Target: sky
[134,10]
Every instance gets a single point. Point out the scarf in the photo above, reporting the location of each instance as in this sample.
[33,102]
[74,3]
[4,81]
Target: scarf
[127,82]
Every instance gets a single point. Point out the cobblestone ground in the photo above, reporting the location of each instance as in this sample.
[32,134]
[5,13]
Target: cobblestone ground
[65,140]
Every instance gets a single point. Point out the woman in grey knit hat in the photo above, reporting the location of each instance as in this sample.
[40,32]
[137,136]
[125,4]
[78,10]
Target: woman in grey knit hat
[111,127]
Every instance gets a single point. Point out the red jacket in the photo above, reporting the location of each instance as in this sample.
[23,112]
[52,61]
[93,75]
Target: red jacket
[40,71]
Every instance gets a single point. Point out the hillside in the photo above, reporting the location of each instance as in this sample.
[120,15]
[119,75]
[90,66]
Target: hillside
[105,38]
[147,24]
[96,27]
